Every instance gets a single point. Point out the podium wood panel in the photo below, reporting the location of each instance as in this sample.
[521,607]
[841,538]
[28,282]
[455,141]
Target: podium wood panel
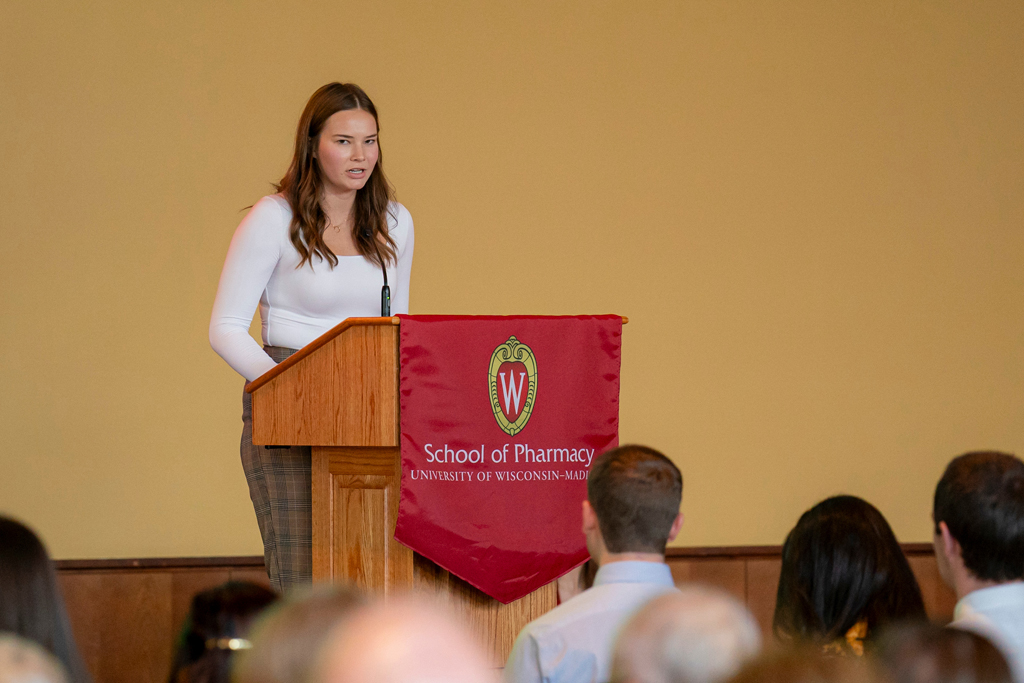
[354,539]
[343,392]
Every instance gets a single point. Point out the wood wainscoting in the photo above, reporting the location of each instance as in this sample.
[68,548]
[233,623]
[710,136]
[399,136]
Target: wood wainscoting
[127,614]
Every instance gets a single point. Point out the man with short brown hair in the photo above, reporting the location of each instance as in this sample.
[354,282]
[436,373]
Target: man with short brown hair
[978,512]
[631,513]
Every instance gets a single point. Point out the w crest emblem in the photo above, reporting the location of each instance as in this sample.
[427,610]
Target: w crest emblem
[513,385]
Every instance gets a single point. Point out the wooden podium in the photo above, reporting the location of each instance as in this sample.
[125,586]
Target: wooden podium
[339,394]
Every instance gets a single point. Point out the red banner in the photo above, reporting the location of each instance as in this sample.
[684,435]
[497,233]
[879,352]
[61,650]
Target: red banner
[501,420]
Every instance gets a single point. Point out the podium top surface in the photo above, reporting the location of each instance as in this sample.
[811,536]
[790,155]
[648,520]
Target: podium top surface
[312,346]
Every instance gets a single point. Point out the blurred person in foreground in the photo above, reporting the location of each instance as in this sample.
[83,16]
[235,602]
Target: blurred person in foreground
[807,664]
[23,661]
[844,577]
[215,629]
[407,640]
[979,546]
[31,604]
[699,635]
[287,638]
[631,513]
[926,653]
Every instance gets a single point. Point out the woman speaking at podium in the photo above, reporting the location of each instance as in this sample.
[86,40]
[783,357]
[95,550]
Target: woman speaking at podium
[315,253]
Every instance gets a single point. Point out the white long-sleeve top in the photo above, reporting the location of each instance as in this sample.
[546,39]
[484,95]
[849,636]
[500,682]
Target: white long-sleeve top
[297,305]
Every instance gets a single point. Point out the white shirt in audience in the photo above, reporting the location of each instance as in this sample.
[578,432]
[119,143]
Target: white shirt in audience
[998,614]
[573,643]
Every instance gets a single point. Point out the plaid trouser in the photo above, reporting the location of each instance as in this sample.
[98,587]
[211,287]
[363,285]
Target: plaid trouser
[280,483]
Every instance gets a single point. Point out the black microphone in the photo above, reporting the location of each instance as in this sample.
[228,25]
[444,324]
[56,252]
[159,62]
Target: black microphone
[385,294]
[385,291]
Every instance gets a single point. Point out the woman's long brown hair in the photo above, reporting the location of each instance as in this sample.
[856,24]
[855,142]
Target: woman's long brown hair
[303,185]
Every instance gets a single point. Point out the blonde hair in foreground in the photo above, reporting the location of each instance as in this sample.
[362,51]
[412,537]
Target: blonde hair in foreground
[22,661]
[407,640]
[286,639]
[698,635]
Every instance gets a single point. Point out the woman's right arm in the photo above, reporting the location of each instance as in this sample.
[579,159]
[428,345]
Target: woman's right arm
[252,257]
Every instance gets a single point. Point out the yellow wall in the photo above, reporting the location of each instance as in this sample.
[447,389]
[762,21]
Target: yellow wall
[810,211]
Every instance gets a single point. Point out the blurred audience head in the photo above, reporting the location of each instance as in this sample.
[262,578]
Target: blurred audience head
[698,635]
[925,653]
[407,640]
[979,520]
[807,665]
[633,497]
[286,639]
[31,605]
[217,626]
[23,661]
[843,577]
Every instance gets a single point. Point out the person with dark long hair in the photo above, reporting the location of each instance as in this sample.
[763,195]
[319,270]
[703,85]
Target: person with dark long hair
[217,627]
[844,576]
[310,256]
[31,604]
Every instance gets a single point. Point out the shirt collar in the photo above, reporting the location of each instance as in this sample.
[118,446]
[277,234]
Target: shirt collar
[985,599]
[634,572]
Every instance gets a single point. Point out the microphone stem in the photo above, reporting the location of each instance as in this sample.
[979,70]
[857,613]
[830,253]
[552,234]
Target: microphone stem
[385,295]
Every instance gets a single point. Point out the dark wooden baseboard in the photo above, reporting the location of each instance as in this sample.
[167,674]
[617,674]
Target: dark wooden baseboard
[749,551]
[746,551]
[127,613]
[243,561]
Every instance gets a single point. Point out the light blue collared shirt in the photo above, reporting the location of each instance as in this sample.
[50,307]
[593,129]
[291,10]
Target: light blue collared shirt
[998,614]
[573,642]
